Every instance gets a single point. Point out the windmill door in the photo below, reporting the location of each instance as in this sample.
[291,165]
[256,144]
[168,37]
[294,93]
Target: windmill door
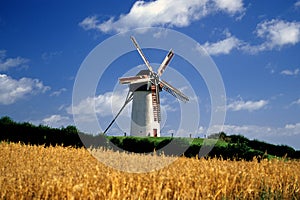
[154,132]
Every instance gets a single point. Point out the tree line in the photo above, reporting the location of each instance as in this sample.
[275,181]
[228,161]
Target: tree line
[238,146]
[28,133]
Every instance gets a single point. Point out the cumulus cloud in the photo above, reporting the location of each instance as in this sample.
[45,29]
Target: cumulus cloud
[12,90]
[247,105]
[57,121]
[223,46]
[279,32]
[254,131]
[230,6]
[58,92]
[290,72]
[276,33]
[297,4]
[90,23]
[179,13]
[288,134]
[102,105]
[249,130]
[7,63]
[295,127]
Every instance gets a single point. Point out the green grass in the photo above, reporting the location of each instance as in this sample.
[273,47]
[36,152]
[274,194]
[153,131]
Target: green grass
[228,147]
[164,140]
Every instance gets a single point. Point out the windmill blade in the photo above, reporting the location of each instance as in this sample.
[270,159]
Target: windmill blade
[165,63]
[134,79]
[173,91]
[141,53]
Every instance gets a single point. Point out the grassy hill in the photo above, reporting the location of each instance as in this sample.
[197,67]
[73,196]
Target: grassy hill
[228,147]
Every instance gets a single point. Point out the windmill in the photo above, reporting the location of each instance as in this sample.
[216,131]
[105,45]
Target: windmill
[144,91]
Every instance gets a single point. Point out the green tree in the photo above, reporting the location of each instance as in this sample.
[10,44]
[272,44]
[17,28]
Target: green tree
[6,121]
[70,130]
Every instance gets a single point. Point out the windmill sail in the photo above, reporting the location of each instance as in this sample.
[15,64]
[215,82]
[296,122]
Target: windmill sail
[165,63]
[173,91]
[134,79]
[141,53]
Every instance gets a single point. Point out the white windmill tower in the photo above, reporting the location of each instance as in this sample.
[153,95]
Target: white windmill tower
[144,91]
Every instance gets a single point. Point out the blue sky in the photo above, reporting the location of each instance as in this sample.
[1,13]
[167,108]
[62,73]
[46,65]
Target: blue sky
[254,44]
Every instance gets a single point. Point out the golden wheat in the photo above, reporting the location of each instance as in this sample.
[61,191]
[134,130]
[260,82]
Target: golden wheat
[36,172]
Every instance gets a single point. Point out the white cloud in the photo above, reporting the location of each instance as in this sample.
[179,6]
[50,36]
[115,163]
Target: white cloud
[247,105]
[294,127]
[12,90]
[179,13]
[254,131]
[289,134]
[236,129]
[276,33]
[146,14]
[223,46]
[279,32]
[7,63]
[201,130]
[230,6]
[104,107]
[297,4]
[58,92]
[290,72]
[57,121]
[297,102]
[102,104]
[90,23]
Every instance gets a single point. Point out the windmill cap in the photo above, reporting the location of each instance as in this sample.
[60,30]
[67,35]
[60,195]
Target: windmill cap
[141,86]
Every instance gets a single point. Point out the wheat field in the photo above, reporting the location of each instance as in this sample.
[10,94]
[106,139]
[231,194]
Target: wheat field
[36,172]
